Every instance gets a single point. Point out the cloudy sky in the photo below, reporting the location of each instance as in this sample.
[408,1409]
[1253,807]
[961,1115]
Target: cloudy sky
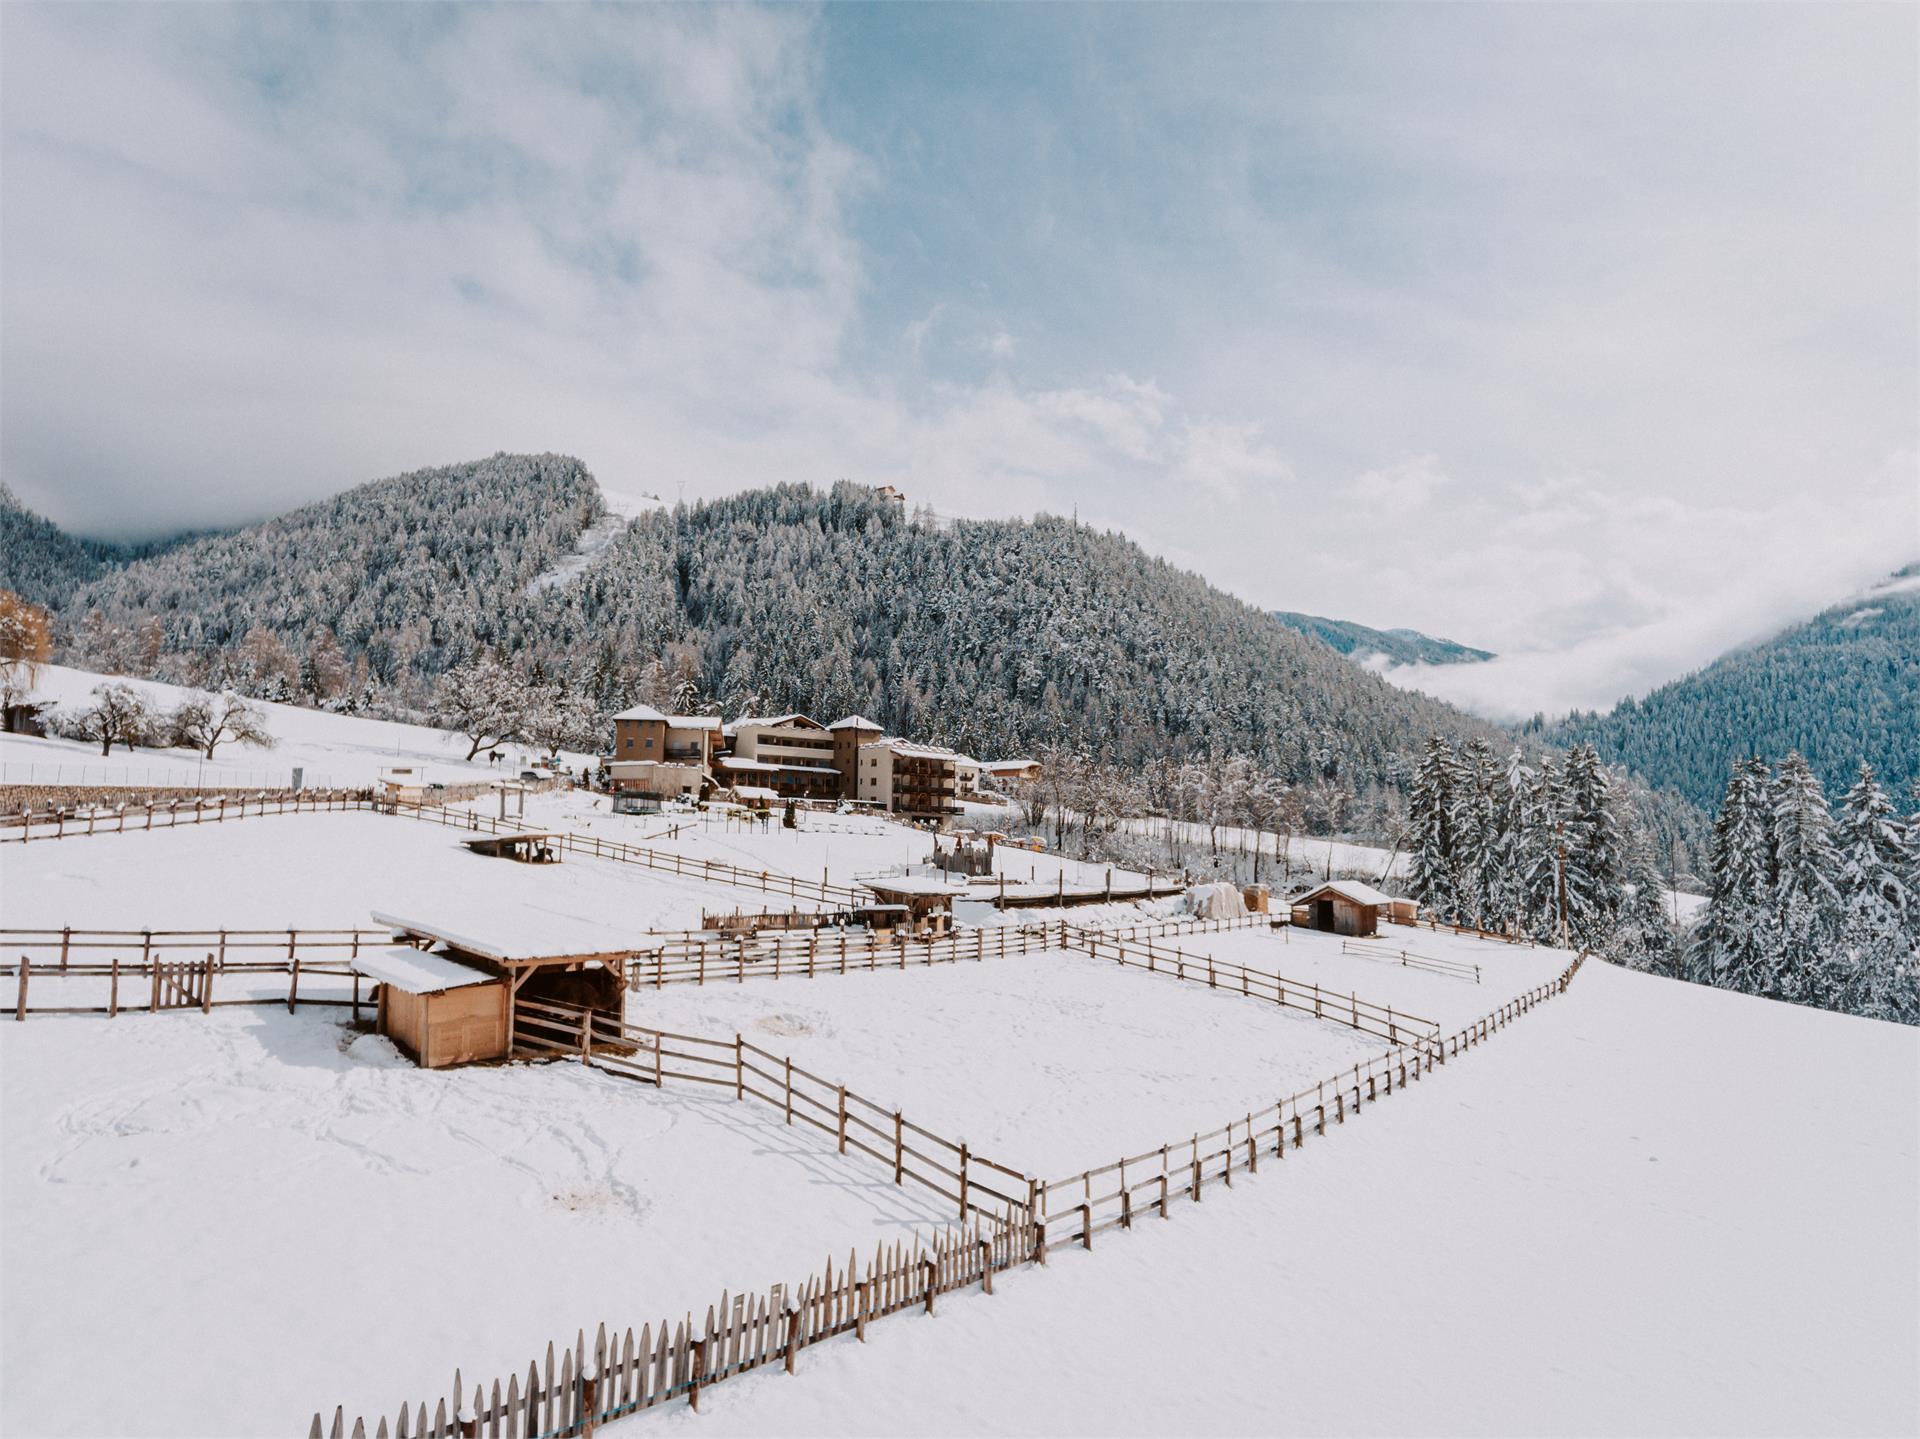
[1587,335]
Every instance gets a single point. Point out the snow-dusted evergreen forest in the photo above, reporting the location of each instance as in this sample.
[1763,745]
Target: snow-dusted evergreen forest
[989,636]
[1804,906]
[1841,689]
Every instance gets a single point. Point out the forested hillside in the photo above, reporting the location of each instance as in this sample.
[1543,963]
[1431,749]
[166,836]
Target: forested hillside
[1841,689]
[414,573]
[991,636]
[1402,646]
[45,564]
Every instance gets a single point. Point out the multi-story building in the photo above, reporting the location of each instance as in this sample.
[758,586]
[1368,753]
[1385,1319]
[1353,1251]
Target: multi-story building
[920,781]
[848,735]
[662,755]
[790,754]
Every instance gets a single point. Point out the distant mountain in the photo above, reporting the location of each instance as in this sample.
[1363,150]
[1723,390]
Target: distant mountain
[1401,647]
[1841,687]
[45,564]
[990,636]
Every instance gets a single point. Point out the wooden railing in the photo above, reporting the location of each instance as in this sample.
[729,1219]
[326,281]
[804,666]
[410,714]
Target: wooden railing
[1076,1208]
[169,814]
[665,861]
[1383,1021]
[976,1185]
[613,1376]
[117,962]
[1406,959]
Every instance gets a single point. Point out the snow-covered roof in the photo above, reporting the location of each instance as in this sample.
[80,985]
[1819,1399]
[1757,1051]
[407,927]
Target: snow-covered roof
[754,791]
[1351,889]
[1007,766]
[757,766]
[913,884]
[517,935]
[856,722]
[647,714]
[774,722]
[909,749]
[417,971]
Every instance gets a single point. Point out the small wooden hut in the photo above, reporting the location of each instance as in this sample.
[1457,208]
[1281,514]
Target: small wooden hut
[928,901]
[438,1010]
[521,972]
[1341,906]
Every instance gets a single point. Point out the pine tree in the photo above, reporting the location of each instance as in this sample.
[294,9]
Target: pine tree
[1430,815]
[1476,835]
[1734,946]
[1806,896]
[1595,859]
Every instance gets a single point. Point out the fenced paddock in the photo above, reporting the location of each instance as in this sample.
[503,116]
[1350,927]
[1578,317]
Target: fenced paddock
[1049,1052]
[47,824]
[389,1216]
[1425,986]
[609,1377]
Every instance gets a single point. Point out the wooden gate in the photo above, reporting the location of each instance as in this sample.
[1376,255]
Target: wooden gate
[186,985]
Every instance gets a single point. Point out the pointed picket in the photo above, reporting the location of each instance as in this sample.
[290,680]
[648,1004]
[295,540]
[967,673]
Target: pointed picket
[513,1407]
[339,1429]
[359,1429]
[381,1432]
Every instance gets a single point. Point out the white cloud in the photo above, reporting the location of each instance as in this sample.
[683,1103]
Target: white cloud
[253,258]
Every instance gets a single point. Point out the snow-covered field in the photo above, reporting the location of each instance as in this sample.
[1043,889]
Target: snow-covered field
[1310,957]
[1645,1208]
[333,750]
[327,871]
[216,1225]
[1048,1062]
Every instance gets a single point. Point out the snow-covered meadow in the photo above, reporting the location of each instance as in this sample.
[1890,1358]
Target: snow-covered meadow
[1645,1208]
[1048,1062]
[254,1214]
[332,750]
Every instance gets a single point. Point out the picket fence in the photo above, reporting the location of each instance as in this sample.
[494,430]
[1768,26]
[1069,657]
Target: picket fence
[616,1376]
[608,1381]
[1109,1196]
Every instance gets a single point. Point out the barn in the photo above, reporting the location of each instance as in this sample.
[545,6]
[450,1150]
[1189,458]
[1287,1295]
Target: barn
[1341,906]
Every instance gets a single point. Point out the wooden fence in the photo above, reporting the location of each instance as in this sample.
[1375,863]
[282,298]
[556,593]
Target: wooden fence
[614,1376]
[125,960]
[811,954]
[666,861]
[1075,1209]
[170,814]
[1406,959]
[977,1186]
[1382,1021]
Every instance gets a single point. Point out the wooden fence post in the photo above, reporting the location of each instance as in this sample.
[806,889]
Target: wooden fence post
[20,1007]
[899,1140]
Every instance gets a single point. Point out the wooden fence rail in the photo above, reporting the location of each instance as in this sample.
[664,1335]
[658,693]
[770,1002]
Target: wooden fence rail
[666,861]
[615,1375]
[1406,959]
[1075,1209]
[124,958]
[1382,1021]
[621,1375]
[976,1185]
[170,814]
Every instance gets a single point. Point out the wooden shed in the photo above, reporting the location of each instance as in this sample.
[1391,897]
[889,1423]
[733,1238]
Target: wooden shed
[928,901]
[1402,910]
[521,970]
[1341,906]
[438,1010]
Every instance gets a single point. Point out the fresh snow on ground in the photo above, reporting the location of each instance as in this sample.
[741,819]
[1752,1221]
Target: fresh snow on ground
[217,1225]
[332,749]
[595,539]
[1645,1208]
[331,871]
[1048,1062]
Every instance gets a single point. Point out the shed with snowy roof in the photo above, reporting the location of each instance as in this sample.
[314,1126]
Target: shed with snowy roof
[438,1010]
[1341,906]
